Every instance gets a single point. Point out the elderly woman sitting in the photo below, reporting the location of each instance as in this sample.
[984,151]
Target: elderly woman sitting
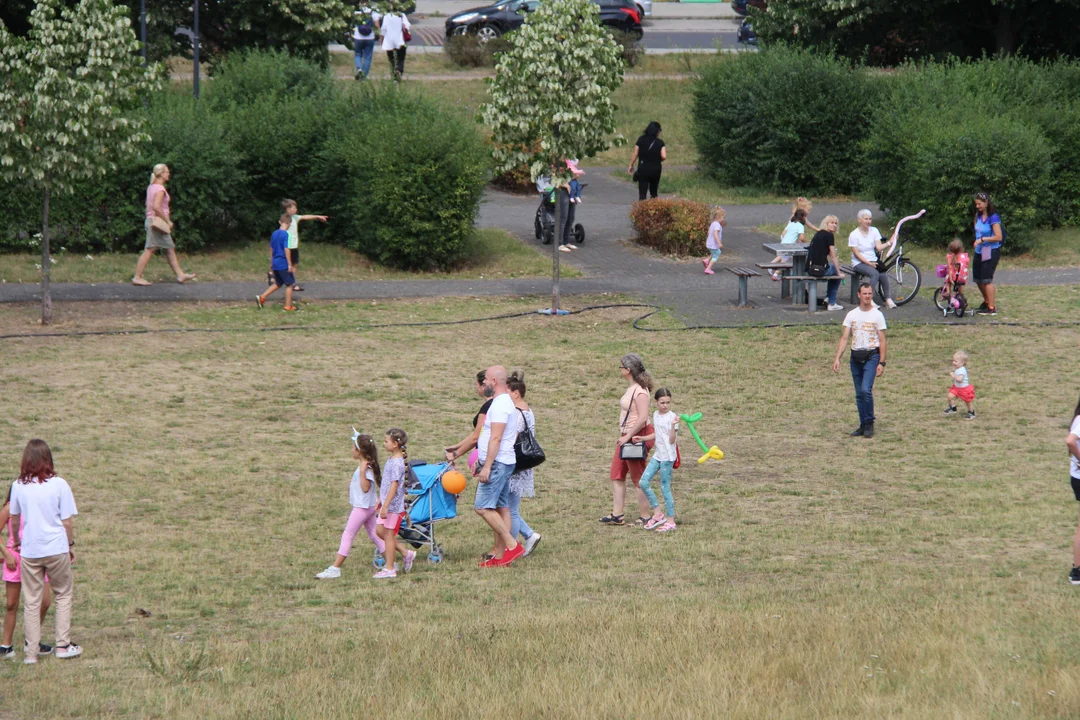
[865,242]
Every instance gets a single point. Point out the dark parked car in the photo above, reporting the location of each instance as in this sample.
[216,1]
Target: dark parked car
[740,6]
[493,20]
[745,34]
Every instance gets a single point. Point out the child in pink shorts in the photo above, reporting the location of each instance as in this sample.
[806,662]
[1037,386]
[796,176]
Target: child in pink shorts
[12,577]
[364,498]
[392,501]
[961,387]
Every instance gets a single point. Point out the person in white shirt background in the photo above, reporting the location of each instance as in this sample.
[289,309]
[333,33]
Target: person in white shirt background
[392,27]
[865,325]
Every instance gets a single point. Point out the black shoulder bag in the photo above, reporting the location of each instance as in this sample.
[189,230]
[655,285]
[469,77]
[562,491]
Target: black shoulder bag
[527,451]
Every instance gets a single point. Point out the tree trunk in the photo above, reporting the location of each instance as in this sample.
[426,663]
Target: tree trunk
[46,263]
[1006,33]
[555,245]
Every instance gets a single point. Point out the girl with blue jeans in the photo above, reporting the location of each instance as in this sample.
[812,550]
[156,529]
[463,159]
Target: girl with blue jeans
[666,424]
[521,484]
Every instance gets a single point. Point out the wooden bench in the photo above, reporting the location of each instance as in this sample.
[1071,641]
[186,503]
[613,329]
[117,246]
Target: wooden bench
[855,282]
[811,286]
[743,273]
[785,288]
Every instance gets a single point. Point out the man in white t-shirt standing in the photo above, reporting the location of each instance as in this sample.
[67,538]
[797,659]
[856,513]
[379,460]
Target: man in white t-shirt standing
[866,326]
[495,449]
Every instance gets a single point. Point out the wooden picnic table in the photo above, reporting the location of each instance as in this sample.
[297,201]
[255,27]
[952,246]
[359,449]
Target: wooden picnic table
[798,253]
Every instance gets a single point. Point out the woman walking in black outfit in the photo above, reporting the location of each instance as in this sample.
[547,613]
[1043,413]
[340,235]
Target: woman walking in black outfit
[650,153]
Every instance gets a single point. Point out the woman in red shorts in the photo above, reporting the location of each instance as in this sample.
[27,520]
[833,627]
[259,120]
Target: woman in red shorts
[633,416]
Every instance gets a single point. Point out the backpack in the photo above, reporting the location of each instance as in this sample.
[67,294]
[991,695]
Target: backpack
[366,27]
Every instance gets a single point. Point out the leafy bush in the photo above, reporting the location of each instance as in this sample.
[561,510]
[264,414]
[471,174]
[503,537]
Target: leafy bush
[467,50]
[403,180]
[1008,126]
[676,227]
[787,120]
[106,215]
[274,108]
[630,46]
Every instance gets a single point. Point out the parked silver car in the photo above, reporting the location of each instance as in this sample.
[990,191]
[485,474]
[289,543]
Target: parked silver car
[645,8]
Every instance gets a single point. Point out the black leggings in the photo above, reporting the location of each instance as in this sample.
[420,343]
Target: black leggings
[397,66]
[651,184]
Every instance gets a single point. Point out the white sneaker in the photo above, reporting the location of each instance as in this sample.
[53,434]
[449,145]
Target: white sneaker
[329,573]
[834,306]
[531,542]
[572,246]
[385,573]
[71,651]
[890,304]
[30,660]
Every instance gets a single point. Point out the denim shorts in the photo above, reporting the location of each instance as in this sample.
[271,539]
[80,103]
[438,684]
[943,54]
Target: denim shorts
[495,493]
[716,254]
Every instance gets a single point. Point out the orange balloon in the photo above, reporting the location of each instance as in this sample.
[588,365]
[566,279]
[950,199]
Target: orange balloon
[453,482]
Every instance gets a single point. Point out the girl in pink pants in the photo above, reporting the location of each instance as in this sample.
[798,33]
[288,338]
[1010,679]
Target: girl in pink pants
[364,497]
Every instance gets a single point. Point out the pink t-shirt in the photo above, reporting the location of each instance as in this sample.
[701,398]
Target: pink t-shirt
[628,413]
[152,192]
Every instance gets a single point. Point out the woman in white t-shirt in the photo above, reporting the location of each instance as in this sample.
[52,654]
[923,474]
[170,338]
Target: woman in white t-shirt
[665,431]
[865,243]
[364,498]
[392,27]
[1073,443]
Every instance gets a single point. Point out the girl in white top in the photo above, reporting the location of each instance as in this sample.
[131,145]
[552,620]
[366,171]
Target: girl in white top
[364,498]
[392,27]
[666,424]
[1073,443]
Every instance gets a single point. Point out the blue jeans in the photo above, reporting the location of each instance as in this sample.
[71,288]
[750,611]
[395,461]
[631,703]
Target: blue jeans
[362,52]
[575,189]
[833,285]
[664,467]
[517,523]
[495,493]
[862,374]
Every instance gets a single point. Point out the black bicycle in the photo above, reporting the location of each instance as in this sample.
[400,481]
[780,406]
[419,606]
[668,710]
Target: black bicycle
[904,276]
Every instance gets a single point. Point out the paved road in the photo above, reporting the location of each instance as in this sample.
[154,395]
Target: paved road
[612,264]
[653,39]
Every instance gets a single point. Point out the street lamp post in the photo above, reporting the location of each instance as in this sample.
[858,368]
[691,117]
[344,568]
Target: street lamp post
[195,45]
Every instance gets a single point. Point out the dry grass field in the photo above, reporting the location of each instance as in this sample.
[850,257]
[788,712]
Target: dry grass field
[917,575]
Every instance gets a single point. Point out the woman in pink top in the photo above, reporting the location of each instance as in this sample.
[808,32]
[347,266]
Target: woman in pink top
[10,570]
[157,206]
[633,416]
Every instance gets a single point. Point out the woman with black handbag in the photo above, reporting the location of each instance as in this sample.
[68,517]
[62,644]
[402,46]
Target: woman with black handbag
[649,153]
[630,457]
[822,260]
[521,482]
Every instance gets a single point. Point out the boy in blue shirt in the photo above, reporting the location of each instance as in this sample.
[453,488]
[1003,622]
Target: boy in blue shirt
[281,264]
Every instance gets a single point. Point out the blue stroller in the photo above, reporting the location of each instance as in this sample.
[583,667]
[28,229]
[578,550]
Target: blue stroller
[426,502]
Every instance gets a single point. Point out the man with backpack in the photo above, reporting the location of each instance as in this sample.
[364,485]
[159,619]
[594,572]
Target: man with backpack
[364,33]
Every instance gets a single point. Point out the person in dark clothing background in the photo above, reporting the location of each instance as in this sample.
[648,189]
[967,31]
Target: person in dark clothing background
[649,153]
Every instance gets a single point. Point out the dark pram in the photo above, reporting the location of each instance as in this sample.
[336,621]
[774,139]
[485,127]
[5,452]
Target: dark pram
[544,224]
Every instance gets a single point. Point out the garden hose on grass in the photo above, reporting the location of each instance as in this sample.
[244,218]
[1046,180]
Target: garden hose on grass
[636,324]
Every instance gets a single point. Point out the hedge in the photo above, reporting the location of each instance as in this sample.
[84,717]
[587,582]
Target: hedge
[674,227]
[401,177]
[785,120]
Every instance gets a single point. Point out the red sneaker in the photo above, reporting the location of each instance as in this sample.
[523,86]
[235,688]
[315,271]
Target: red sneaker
[510,555]
[491,562]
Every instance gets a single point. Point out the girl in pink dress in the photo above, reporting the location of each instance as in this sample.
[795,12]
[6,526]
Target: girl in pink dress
[9,559]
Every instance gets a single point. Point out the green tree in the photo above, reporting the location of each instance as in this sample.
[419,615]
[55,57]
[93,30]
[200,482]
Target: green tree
[885,32]
[550,98]
[69,102]
[301,27]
